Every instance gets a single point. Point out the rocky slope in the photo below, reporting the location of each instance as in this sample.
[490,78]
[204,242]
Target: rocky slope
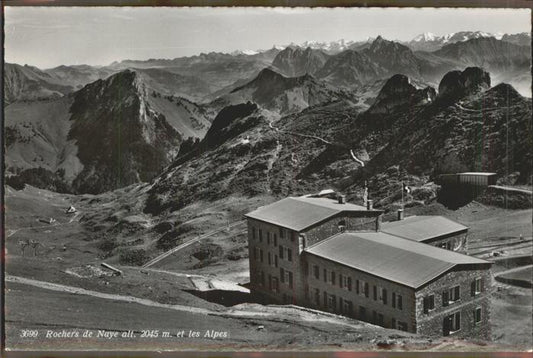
[296,61]
[281,94]
[350,69]
[24,83]
[109,134]
[506,62]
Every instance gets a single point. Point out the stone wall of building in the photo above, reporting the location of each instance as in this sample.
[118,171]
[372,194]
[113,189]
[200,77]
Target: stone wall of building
[361,221]
[392,316]
[457,243]
[270,239]
[432,322]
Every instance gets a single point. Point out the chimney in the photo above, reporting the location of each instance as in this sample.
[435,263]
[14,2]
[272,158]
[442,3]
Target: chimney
[342,199]
[400,214]
[369,205]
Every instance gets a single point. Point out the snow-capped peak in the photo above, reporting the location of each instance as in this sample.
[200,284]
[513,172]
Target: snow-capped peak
[426,36]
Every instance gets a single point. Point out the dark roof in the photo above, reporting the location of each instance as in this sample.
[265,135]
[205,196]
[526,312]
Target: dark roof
[422,228]
[406,262]
[301,212]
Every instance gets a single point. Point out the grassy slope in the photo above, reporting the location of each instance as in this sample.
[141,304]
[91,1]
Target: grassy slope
[47,124]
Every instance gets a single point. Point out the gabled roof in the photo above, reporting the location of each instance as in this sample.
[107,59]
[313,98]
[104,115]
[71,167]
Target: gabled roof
[422,228]
[403,261]
[299,213]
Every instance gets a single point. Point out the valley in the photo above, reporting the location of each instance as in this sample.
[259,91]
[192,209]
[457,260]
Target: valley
[161,159]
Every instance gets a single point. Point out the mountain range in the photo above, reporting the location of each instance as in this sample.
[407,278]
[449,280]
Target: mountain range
[85,129]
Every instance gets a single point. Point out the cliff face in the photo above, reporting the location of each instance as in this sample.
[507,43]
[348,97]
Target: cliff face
[399,92]
[457,84]
[121,140]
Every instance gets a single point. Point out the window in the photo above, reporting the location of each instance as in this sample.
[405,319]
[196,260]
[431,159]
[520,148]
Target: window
[345,282]
[375,293]
[477,315]
[268,238]
[325,296]
[362,313]
[281,252]
[325,275]
[275,240]
[253,233]
[383,295]
[332,300]
[282,275]
[332,278]
[397,301]
[381,320]
[450,296]
[261,254]
[402,326]
[357,286]
[429,303]
[452,323]
[275,260]
[317,297]
[289,254]
[281,232]
[269,259]
[316,271]
[399,304]
[275,284]
[366,289]
[348,307]
[477,286]
[260,235]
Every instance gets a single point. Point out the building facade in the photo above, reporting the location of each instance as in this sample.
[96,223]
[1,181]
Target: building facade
[334,256]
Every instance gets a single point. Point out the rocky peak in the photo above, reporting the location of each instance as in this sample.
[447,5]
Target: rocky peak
[398,92]
[457,84]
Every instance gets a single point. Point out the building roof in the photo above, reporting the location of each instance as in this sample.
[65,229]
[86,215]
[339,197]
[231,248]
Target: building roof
[422,228]
[299,213]
[403,261]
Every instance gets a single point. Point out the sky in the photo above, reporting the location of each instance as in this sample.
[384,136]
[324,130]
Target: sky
[50,36]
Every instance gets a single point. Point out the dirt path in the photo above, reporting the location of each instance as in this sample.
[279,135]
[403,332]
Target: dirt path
[254,311]
[190,242]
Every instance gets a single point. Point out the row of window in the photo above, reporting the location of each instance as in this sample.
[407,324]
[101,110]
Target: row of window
[453,295]
[272,238]
[361,287]
[452,323]
[284,253]
[285,276]
[346,307]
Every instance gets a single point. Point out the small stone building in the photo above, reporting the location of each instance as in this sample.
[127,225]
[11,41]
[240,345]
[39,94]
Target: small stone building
[335,256]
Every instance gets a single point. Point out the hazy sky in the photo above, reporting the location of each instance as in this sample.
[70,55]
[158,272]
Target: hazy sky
[49,36]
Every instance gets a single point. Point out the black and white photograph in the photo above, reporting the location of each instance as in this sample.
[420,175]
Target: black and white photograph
[267,179]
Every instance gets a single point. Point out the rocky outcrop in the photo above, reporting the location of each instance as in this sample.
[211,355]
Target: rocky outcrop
[296,61]
[120,139]
[399,92]
[394,57]
[457,84]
